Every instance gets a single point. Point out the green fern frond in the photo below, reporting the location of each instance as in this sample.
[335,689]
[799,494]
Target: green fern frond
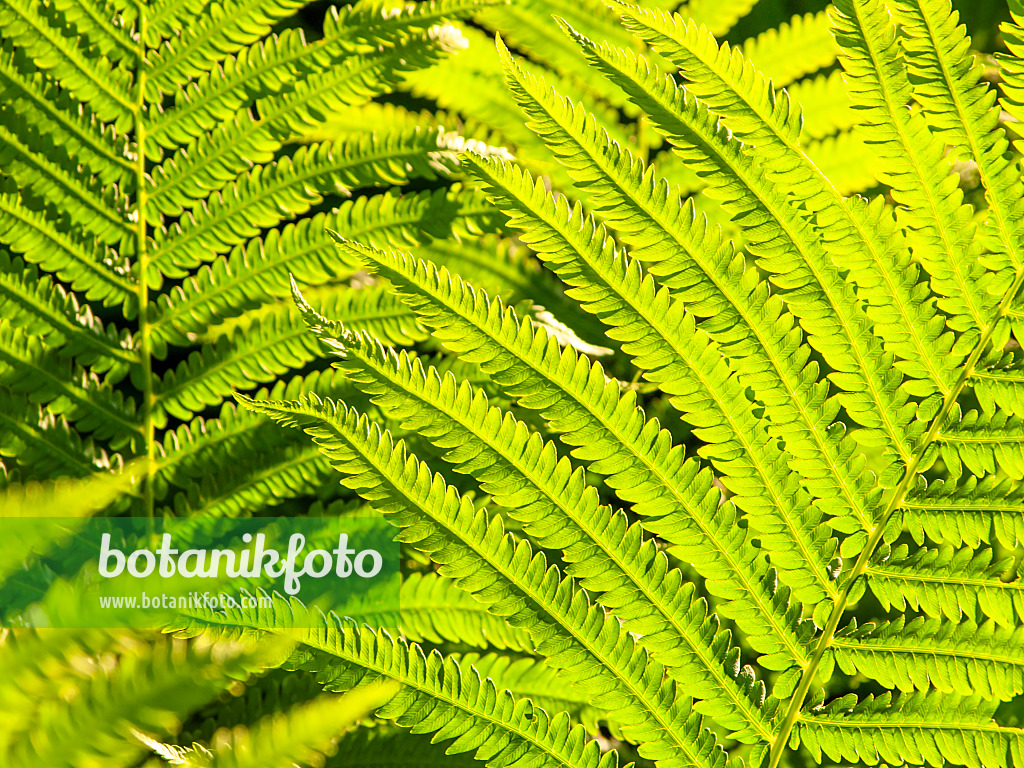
[213,34]
[710,284]
[958,104]
[371,308]
[570,632]
[962,658]
[719,16]
[73,126]
[543,491]
[67,389]
[236,143]
[526,26]
[56,49]
[142,692]
[45,445]
[435,610]
[46,238]
[982,444]
[764,119]
[302,733]
[361,160]
[263,481]
[267,194]
[772,51]
[946,583]
[847,160]
[437,695]
[642,464]
[915,729]
[251,356]
[789,247]
[530,679]
[205,447]
[51,176]
[257,272]
[971,513]
[825,105]
[940,227]
[59,317]
[97,21]
[654,328]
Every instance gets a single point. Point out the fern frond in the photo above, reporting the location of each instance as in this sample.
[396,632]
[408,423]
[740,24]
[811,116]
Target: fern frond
[570,632]
[45,238]
[50,175]
[437,695]
[755,332]
[300,734]
[608,430]
[542,490]
[371,308]
[848,161]
[778,233]
[653,328]
[259,483]
[946,583]
[825,105]
[531,679]
[878,260]
[971,513]
[205,447]
[940,226]
[99,23]
[59,318]
[962,108]
[146,691]
[719,16]
[962,658]
[72,125]
[527,26]
[981,444]
[65,388]
[463,85]
[251,356]
[77,498]
[45,446]
[808,36]
[257,272]
[236,143]
[265,348]
[435,610]
[56,50]
[267,194]
[217,32]
[1000,386]
[360,160]
[916,729]
[501,268]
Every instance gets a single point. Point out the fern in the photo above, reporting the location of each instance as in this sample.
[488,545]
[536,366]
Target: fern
[687,372]
[862,471]
[153,190]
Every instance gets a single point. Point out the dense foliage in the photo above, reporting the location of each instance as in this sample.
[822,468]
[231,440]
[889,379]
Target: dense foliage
[687,370]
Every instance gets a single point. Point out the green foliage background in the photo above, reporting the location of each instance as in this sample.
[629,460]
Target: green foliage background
[140,289]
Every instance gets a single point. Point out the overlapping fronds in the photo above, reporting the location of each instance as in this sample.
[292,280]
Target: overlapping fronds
[778,523]
[138,145]
[835,402]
